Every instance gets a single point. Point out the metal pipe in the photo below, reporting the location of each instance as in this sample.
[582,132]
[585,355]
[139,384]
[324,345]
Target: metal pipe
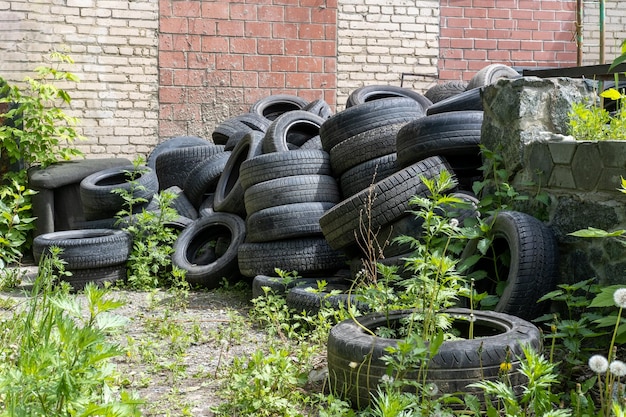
[579,33]
[602,32]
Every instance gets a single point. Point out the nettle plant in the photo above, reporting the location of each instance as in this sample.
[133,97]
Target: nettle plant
[34,131]
[149,264]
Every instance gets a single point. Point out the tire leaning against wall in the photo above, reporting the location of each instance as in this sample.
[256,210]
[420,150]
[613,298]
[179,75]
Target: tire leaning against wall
[275,105]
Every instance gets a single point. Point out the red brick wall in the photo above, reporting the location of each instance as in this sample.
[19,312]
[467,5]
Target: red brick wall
[528,33]
[217,57]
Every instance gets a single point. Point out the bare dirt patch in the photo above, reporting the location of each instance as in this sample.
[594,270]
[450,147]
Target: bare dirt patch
[177,345]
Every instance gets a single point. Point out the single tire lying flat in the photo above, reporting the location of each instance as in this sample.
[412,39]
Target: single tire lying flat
[291,190]
[308,256]
[284,164]
[368,145]
[355,364]
[453,135]
[86,248]
[286,221]
[360,177]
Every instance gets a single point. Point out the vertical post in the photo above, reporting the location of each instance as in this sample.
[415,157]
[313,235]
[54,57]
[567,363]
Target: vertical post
[602,31]
[579,33]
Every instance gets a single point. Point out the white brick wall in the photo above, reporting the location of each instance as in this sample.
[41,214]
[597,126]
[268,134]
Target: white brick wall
[615,28]
[114,46]
[379,40]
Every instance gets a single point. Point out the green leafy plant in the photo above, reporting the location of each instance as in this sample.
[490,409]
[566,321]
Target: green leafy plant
[536,398]
[609,369]
[149,263]
[570,328]
[592,122]
[275,380]
[40,132]
[34,130]
[16,221]
[433,283]
[267,384]
[56,354]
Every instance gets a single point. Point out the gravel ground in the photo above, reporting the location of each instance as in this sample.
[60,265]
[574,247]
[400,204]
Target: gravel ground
[178,348]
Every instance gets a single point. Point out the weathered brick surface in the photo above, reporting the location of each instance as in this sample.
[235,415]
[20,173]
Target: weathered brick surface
[152,69]
[615,27]
[114,46]
[523,33]
[382,42]
[217,58]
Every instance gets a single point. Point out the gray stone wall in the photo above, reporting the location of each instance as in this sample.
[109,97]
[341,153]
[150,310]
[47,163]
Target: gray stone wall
[526,122]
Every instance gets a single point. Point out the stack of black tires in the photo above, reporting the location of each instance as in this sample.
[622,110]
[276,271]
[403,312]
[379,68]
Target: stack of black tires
[290,185]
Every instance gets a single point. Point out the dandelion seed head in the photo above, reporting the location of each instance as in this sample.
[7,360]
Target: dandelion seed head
[598,364]
[432,389]
[619,296]
[386,379]
[618,368]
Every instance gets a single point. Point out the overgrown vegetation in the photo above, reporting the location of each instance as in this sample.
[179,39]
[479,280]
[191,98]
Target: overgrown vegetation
[149,263]
[34,131]
[56,354]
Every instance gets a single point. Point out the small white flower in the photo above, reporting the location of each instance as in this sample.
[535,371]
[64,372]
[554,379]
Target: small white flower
[618,368]
[353,365]
[598,364]
[454,222]
[619,296]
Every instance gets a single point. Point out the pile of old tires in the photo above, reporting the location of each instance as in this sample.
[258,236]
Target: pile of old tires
[290,185]
[284,185]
